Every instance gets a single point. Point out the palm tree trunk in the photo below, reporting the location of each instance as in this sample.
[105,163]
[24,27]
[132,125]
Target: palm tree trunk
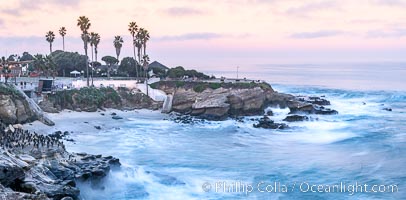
[91,48]
[63,43]
[135,58]
[50,48]
[145,47]
[139,56]
[87,66]
[95,53]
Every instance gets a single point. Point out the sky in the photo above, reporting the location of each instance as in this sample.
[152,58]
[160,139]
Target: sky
[217,33]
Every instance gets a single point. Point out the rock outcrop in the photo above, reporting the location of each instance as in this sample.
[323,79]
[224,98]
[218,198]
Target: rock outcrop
[217,101]
[296,118]
[13,106]
[91,99]
[35,166]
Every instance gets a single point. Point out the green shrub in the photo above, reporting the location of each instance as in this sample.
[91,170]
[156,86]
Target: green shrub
[10,90]
[214,85]
[154,85]
[179,84]
[199,88]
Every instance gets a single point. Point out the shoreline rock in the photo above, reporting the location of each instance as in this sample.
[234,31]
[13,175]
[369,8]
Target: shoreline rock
[267,123]
[296,118]
[37,166]
[92,99]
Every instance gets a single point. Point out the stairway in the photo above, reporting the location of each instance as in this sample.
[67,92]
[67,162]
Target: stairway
[167,106]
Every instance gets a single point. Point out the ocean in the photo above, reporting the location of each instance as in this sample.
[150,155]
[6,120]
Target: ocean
[357,154]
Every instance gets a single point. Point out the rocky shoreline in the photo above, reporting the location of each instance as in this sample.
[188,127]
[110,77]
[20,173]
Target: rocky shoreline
[35,166]
[220,101]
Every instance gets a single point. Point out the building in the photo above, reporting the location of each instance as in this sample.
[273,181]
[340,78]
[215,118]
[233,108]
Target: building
[17,68]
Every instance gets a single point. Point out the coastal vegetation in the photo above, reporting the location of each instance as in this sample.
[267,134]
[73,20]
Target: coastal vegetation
[68,61]
[7,90]
[90,99]
[201,86]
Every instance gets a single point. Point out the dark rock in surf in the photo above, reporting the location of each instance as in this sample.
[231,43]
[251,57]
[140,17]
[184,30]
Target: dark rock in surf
[388,109]
[314,100]
[312,109]
[267,123]
[117,117]
[296,118]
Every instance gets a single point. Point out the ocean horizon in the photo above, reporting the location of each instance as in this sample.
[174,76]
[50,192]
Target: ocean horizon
[378,76]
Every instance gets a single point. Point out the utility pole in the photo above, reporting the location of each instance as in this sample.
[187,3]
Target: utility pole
[237,71]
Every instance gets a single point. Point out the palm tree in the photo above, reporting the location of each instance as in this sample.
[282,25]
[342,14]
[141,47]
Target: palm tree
[133,28]
[96,41]
[145,63]
[62,32]
[145,38]
[50,37]
[93,37]
[138,44]
[118,43]
[84,25]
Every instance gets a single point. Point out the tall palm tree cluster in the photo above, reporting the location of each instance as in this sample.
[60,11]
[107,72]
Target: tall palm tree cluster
[140,37]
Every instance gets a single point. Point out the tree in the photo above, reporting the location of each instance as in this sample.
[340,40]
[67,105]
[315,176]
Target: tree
[110,61]
[68,61]
[5,68]
[94,37]
[49,66]
[145,63]
[126,66]
[39,63]
[177,72]
[26,57]
[50,37]
[62,32]
[84,25]
[138,44]
[133,28]
[118,43]
[96,41]
[144,37]
[11,58]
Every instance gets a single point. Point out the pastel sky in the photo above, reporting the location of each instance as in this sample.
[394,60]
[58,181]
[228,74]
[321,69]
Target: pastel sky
[218,33]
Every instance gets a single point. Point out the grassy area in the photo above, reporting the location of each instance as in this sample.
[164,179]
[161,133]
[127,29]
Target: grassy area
[201,86]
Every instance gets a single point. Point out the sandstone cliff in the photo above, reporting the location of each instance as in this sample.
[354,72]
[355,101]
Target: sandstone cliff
[14,108]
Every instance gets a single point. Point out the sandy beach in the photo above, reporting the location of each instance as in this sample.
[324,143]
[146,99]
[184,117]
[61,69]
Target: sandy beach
[79,122]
